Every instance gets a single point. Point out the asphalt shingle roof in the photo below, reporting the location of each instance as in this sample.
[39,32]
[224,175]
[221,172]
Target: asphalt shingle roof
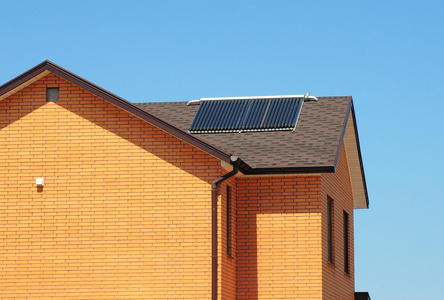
[314,144]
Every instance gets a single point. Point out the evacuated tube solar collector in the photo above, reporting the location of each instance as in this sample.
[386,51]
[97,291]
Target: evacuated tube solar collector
[246,114]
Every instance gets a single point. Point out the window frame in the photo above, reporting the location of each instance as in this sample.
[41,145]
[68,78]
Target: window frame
[346,243]
[228,225]
[330,224]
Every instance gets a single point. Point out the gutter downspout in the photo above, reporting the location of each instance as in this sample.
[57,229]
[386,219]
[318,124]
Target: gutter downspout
[214,186]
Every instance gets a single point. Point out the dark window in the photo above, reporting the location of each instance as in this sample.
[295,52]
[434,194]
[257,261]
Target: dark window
[52,94]
[330,229]
[346,249]
[228,221]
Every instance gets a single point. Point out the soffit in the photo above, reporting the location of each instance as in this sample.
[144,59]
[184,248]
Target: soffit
[355,166]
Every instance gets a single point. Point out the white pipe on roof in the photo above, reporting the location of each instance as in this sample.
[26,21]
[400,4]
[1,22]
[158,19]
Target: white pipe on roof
[254,97]
[193,102]
[306,97]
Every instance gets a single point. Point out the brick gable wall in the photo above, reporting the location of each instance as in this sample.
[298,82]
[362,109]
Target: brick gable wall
[109,223]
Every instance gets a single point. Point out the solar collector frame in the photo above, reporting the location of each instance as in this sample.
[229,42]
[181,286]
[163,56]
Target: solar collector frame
[246,115]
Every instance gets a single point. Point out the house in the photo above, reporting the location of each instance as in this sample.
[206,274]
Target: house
[106,199]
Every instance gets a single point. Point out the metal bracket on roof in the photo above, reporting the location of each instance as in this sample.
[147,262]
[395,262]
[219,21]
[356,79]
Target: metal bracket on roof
[193,102]
[307,97]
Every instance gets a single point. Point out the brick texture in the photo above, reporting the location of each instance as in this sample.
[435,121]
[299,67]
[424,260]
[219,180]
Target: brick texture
[279,238]
[336,283]
[109,223]
[282,250]
[227,269]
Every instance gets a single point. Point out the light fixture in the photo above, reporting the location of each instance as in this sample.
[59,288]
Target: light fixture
[40,181]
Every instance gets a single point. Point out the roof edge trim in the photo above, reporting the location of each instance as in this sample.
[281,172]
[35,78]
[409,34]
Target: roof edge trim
[115,100]
[360,155]
[344,127]
[22,78]
[292,170]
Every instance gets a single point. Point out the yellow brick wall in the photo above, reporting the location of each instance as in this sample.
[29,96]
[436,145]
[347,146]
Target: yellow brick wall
[279,253]
[337,284]
[125,212]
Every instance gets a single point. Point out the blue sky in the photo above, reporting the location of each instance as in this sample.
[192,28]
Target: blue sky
[387,54]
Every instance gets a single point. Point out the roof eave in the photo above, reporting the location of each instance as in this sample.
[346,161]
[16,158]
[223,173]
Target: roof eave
[344,127]
[33,74]
[289,170]
[351,112]
[360,155]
